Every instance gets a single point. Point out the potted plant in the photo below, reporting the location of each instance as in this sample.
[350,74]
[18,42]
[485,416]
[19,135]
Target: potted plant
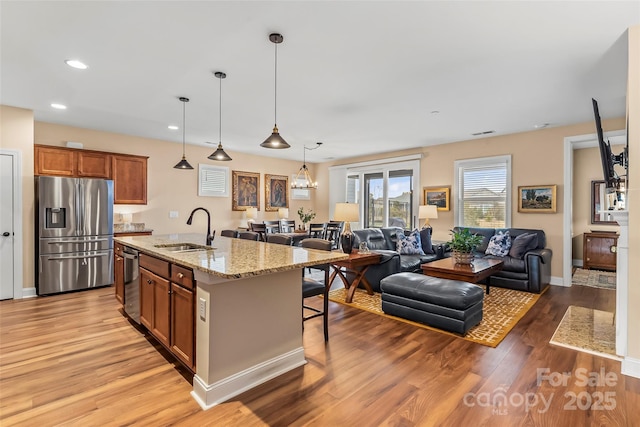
[463,243]
[305,217]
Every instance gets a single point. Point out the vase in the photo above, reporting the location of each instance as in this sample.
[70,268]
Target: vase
[463,258]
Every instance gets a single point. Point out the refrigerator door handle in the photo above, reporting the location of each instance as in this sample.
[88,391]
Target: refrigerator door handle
[82,207]
[78,241]
[76,200]
[59,258]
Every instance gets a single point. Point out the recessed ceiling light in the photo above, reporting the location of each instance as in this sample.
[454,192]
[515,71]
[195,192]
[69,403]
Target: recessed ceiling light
[59,106]
[173,127]
[76,64]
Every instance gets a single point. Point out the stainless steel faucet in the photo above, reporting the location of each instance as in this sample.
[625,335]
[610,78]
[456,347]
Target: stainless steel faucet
[209,235]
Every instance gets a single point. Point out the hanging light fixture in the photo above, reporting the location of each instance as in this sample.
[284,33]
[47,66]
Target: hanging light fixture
[219,154]
[275,140]
[303,179]
[183,164]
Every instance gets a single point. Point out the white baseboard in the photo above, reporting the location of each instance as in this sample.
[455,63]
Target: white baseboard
[29,292]
[630,367]
[557,281]
[209,395]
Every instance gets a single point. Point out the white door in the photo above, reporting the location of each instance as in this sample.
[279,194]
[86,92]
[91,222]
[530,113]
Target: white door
[7,200]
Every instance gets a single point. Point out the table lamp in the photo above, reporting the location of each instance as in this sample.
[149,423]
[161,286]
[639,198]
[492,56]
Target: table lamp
[127,219]
[427,212]
[283,213]
[347,212]
[252,214]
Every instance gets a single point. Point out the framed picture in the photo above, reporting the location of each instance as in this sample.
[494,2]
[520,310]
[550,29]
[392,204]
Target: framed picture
[245,187]
[276,192]
[602,201]
[537,198]
[438,196]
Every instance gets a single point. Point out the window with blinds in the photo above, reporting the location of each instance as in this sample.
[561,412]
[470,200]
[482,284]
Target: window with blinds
[483,189]
[213,181]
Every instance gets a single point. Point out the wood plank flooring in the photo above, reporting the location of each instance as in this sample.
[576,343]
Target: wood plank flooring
[75,360]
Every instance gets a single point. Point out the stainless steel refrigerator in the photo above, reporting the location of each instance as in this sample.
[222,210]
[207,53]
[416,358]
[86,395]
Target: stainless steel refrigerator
[74,234]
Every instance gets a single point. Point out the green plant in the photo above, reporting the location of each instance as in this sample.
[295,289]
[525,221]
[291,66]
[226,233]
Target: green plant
[305,217]
[464,241]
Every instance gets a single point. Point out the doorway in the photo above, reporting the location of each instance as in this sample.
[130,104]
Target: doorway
[10,224]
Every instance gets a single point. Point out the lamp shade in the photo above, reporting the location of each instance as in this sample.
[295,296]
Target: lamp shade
[283,213]
[348,212]
[252,213]
[127,217]
[428,211]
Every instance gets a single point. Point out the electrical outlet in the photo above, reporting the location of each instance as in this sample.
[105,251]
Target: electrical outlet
[203,309]
[173,214]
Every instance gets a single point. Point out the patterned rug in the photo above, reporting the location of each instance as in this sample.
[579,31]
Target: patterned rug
[594,278]
[587,330]
[502,309]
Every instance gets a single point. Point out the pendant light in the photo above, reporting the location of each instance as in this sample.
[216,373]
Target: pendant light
[303,178]
[219,154]
[275,140]
[183,164]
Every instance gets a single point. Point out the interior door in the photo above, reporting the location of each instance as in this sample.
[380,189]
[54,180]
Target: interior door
[6,227]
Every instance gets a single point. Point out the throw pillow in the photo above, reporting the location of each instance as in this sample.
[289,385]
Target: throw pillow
[499,244]
[522,244]
[425,239]
[409,245]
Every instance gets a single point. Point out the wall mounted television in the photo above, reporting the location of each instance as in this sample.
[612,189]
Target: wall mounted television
[608,159]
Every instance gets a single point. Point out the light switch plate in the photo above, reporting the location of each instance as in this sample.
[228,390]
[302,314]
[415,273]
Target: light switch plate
[173,214]
[202,308]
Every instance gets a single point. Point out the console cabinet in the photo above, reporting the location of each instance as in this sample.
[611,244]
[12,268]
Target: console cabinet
[599,251]
[167,306]
[128,172]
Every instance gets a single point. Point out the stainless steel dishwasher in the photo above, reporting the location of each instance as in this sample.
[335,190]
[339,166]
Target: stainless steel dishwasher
[131,283]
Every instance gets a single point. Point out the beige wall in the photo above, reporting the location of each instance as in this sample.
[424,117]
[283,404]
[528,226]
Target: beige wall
[16,133]
[633,192]
[586,168]
[537,159]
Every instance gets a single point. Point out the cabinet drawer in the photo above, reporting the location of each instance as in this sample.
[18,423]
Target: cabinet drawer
[158,266]
[182,276]
[118,248]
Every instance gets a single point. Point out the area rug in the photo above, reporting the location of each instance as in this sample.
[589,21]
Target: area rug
[594,278]
[587,330]
[502,309]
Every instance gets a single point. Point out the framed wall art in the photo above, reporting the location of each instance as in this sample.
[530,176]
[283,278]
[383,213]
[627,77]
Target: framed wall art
[537,199]
[438,196]
[245,187]
[276,192]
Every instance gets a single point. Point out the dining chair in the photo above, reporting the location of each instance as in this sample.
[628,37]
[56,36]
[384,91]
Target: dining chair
[279,239]
[261,229]
[272,226]
[287,226]
[229,233]
[317,230]
[332,233]
[312,287]
[249,235]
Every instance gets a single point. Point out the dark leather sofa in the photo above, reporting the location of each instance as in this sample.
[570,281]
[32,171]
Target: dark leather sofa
[531,272]
[383,241]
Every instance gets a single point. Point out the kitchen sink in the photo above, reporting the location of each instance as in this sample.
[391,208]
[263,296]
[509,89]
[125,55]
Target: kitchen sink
[184,247]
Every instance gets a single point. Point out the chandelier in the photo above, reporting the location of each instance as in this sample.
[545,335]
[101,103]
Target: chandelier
[303,179]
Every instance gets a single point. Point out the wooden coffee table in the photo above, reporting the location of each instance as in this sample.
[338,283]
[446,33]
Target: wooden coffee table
[357,264]
[446,268]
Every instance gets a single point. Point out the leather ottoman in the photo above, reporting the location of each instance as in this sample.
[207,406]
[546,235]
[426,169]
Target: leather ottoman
[451,305]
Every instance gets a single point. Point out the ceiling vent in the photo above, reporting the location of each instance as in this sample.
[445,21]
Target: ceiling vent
[486,132]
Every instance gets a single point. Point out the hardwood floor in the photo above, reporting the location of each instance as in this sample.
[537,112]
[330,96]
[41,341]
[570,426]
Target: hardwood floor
[75,360]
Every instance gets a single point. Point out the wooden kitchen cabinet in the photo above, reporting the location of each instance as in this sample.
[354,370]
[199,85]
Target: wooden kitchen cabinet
[118,272]
[129,179]
[154,305]
[600,251]
[93,164]
[56,161]
[182,324]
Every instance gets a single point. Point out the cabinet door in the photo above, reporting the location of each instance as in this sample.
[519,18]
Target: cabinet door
[182,324]
[54,161]
[146,298]
[118,277]
[93,164]
[129,179]
[161,310]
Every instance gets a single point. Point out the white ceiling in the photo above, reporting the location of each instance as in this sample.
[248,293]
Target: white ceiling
[359,76]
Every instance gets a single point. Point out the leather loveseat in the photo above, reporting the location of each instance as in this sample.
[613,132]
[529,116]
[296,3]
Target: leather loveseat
[526,268]
[384,241]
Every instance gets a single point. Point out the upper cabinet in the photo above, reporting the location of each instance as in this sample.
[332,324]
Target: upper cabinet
[128,172]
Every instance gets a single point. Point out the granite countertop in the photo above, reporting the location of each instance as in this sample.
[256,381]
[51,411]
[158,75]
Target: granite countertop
[231,258]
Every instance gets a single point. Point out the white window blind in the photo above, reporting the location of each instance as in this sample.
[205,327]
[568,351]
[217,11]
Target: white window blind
[483,188]
[213,181]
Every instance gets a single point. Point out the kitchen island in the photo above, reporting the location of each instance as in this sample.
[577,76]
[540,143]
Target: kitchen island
[248,307]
